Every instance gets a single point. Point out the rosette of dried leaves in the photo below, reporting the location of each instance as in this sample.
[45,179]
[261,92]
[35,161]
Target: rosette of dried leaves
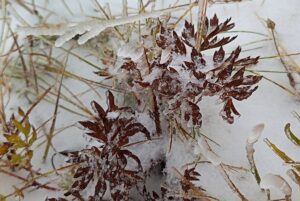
[107,167]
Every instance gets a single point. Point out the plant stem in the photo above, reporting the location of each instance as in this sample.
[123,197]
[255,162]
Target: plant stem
[52,128]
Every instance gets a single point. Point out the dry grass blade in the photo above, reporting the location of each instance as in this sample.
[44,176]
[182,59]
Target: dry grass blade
[211,156]
[52,128]
[289,65]
[294,176]
[277,84]
[233,187]
[39,99]
[21,58]
[290,135]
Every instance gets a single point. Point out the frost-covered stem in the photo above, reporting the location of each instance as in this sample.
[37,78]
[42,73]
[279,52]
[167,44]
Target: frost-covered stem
[125,8]
[21,190]
[33,182]
[156,114]
[171,134]
[226,177]
[271,26]
[201,22]
[252,139]
[92,28]
[230,183]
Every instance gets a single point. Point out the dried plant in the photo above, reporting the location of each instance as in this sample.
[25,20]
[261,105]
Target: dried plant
[176,76]
[165,75]
[108,165]
[188,190]
[179,82]
[17,150]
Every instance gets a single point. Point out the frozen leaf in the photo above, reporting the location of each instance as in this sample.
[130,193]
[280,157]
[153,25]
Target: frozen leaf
[189,34]
[23,129]
[98,109]
[111,163]
[290,135]
[21,112]
[294,176]
[33,138]
[213,28]
[278,152]
[251,140]
[189,176]
[100,188]
[192,114]
[3,149]
[207,153]
[219,55]
[111,102]
[271,181]
[15,140]
[16,159]
[228,109]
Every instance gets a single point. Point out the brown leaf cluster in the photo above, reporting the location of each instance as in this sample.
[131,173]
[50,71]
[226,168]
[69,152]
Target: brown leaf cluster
[107,166]
[179,82]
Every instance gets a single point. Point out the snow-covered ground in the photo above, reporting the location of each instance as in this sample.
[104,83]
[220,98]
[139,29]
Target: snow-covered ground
[269,105]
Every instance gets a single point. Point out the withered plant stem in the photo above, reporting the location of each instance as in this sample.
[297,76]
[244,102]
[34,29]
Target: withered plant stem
[2,109]
[201,22]
[156,114]
[39,99]
[34,183]
[155,107]
[271,26]
[52,128]
[21,58]
[227,179]
[32,65]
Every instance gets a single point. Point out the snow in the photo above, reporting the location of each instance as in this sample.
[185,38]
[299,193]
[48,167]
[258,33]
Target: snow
[207,153]
[271,181]
[269,105]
